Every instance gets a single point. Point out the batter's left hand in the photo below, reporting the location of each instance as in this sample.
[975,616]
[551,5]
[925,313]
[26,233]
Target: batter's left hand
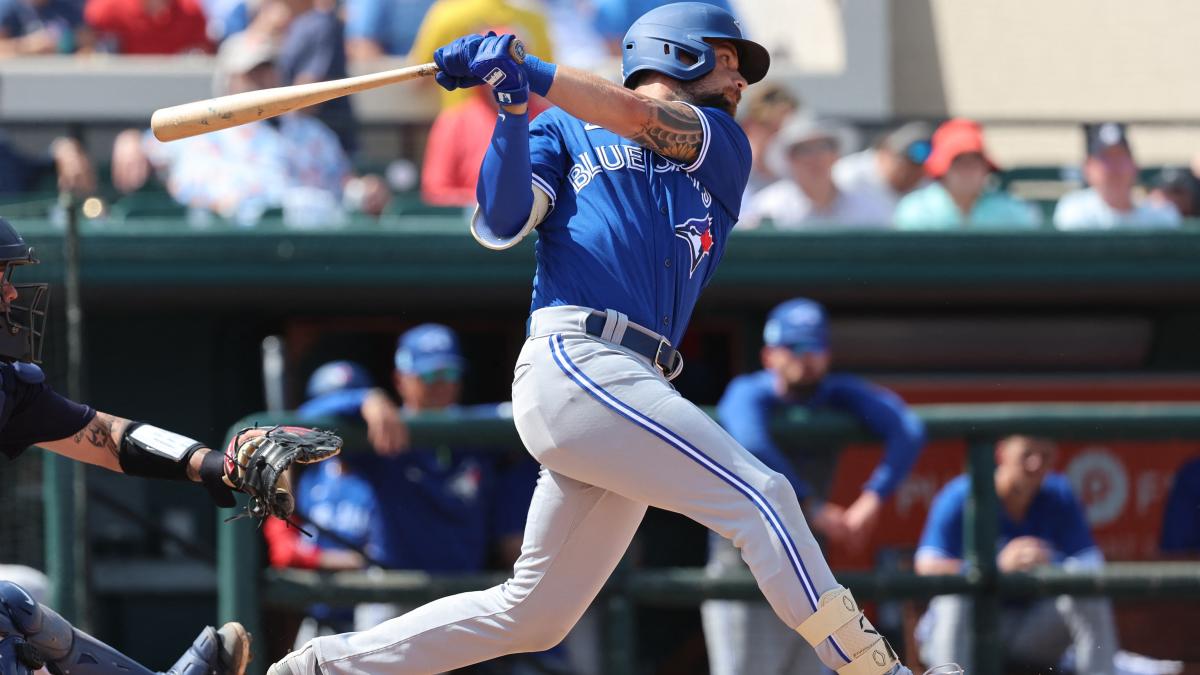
[454,62]
[494,64]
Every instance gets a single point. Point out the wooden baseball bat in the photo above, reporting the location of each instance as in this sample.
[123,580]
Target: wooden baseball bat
[223,112]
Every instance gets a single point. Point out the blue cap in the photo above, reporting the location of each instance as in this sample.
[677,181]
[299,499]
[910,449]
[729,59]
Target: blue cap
[336,376]
[427,348]
[798,325]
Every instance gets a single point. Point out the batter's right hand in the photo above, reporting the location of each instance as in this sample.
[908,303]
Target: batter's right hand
[454,62]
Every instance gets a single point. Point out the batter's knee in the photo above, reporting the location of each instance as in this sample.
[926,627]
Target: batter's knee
[537,625]
[778,490]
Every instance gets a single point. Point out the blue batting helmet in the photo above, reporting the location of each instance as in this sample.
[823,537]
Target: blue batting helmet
[674,40]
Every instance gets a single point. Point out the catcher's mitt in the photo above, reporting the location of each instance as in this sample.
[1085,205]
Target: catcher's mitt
[258,458]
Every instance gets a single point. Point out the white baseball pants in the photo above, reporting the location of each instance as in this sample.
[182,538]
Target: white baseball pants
[613,437]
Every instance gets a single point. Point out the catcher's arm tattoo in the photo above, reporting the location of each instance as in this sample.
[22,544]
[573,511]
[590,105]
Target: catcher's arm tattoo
[672,130]
[96,443]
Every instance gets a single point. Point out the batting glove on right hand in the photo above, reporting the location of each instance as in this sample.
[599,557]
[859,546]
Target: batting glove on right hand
[494,64]
[454,62]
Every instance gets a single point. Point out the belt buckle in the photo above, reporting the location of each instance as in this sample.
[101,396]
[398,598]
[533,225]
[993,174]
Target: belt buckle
[669,370]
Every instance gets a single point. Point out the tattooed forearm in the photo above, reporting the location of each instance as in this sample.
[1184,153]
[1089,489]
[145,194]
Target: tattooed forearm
[99,435]
[673,130]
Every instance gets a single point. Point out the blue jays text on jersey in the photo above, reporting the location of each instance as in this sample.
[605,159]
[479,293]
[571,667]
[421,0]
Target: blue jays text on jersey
[631,230]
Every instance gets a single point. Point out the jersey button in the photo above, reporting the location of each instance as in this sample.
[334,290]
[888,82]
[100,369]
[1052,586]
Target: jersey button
[666,321]
[662,209]
[667,262]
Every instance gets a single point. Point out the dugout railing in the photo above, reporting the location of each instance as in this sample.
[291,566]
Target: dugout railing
[245,588]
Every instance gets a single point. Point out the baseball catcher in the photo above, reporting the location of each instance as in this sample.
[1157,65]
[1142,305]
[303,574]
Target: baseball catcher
[31,413]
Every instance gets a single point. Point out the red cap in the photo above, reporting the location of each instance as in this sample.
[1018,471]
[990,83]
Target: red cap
[955,137]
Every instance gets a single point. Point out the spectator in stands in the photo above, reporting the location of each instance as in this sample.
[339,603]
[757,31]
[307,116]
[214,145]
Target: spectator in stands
[150,26]
[21,173]
[1041,522]
[745,637]
[43,27]
[1111,174]
[1177,187]
[293,162]
[1181,521]
[338,503]
[959,197]
[379,28]
[224,18]
[766,110]
[314,50]
[573,22]
[457,143]
[807,197]
[892,167]
[448,20]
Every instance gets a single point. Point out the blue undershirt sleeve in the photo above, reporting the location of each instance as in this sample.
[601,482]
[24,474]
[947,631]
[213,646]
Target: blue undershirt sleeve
[503,190]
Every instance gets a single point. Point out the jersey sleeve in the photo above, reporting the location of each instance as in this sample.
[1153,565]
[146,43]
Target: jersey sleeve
[40,414]
[885,413]
[547,156]
[364,19]
[745,412]
[723,166]
[942,537]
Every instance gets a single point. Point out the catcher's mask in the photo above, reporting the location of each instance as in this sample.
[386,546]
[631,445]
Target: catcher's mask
[22,321]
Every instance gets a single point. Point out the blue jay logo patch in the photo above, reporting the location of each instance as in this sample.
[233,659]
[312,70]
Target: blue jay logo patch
[697,232]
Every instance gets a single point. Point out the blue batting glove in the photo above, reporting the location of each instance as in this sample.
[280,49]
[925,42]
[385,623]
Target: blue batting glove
[493,64]
[454,62]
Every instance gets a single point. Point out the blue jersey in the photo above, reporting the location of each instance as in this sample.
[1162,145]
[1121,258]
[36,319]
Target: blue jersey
[631,230]
[1181,521]
[439,509]
[746,408]
[31,412]
[341,502]
[1054,515]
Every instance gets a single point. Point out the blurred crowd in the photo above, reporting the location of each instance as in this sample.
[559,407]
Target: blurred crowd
[809,172]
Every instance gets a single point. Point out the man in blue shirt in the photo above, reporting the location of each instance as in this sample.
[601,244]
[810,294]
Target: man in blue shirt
[745,637]
[634,191]
[1041,523]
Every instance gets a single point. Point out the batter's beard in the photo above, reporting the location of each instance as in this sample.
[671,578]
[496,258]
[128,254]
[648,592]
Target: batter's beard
[705,99]
[715,100]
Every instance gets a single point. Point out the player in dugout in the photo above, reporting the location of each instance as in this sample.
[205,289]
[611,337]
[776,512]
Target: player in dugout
[31,413]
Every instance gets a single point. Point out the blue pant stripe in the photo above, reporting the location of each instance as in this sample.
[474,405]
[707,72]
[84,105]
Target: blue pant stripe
[576,374]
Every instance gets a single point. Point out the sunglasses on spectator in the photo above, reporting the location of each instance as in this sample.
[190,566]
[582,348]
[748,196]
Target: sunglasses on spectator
[441,375]
[918,151]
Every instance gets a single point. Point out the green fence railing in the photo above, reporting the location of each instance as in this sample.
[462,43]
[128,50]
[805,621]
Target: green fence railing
[244,589]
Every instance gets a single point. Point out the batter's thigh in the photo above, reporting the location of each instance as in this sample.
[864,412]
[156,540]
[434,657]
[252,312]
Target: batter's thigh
[597,413]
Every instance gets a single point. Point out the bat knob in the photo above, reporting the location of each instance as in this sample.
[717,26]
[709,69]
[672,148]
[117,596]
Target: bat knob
[517,51]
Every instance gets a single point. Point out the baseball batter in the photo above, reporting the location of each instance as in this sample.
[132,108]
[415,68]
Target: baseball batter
[634,192]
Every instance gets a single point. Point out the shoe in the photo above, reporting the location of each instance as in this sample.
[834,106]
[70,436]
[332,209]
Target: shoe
[216,652]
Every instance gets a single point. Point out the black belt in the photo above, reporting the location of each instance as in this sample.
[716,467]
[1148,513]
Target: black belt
[658,350]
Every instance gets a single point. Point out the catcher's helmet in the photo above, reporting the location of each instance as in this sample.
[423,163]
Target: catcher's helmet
[659,40]
[22,322]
